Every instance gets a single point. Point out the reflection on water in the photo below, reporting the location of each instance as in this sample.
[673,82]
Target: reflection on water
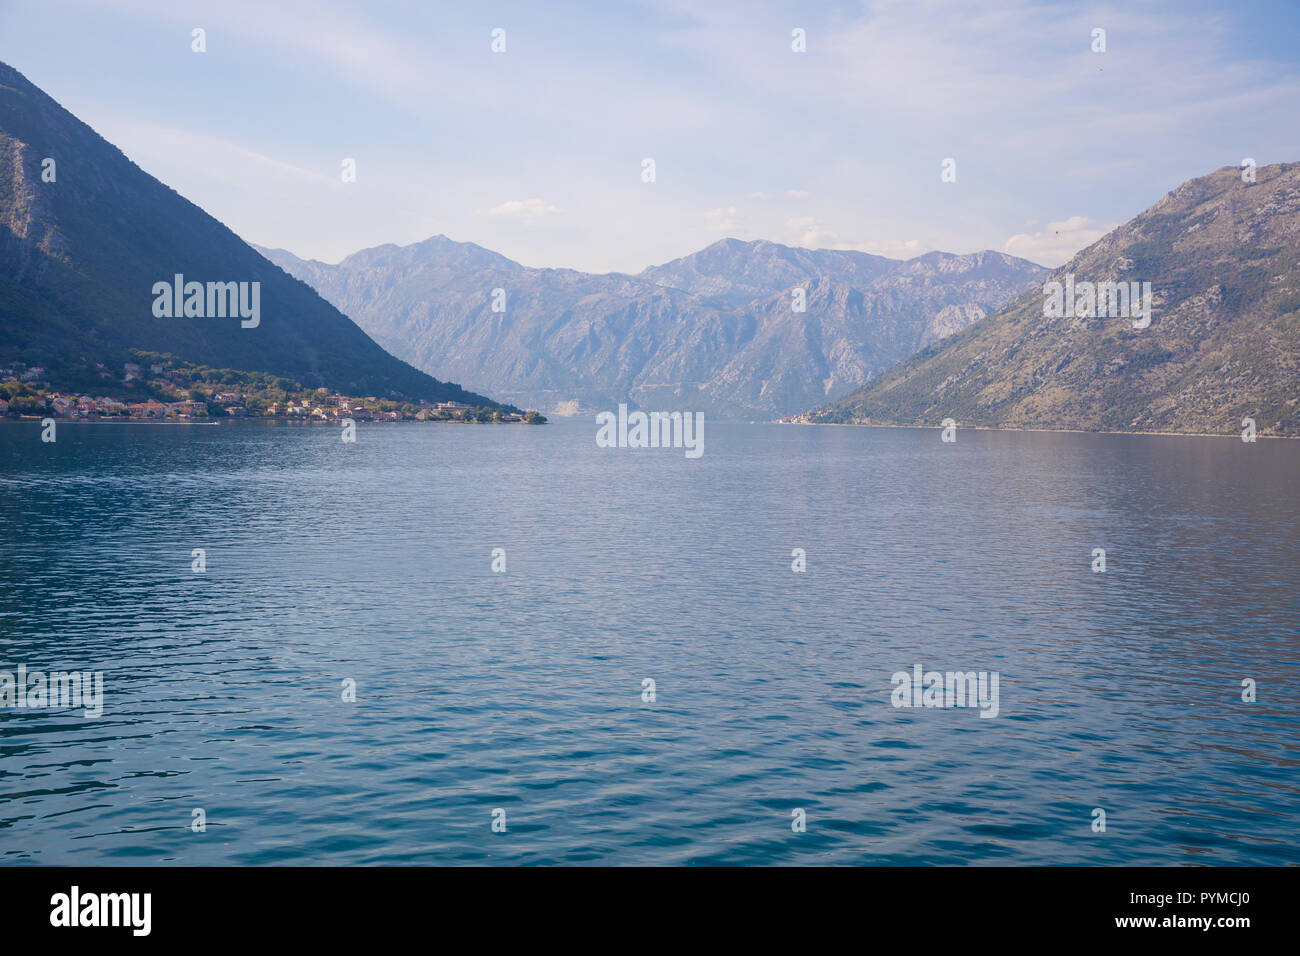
[522,691]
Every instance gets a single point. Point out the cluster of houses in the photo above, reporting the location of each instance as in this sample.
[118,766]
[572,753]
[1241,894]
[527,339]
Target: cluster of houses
[132,372]
[84,406]
[341,408]
[232,403]
[33,375]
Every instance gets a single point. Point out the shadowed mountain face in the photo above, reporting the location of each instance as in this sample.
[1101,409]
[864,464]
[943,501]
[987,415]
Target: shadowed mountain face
[82,246]
[715,331]
[1223,259]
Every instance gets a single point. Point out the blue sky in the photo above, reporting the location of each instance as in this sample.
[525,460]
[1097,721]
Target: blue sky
[537,152]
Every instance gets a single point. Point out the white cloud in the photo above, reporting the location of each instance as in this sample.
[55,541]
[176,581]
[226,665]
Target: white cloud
[1058,242]
[384,61]
[848,136]
[526,209]
[155,146]
[787,194]
[894,248]
[809,232]
[725,219]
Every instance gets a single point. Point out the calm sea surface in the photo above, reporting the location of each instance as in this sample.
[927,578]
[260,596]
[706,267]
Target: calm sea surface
[522,690]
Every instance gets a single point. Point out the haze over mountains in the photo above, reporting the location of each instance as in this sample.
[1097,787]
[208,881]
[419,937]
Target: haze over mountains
[1223,259]
[81,250]
[714,331]
[885,341]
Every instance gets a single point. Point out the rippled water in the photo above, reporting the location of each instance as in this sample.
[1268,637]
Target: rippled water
[523,690]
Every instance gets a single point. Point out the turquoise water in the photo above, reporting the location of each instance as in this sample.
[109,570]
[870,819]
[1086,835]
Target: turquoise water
[522,690]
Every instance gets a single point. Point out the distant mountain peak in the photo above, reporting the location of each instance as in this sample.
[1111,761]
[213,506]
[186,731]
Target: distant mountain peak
[716,328]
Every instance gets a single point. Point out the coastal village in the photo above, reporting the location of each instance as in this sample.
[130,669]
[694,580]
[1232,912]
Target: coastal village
[182,395]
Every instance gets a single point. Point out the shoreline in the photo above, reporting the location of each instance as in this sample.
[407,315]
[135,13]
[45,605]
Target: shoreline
[231,421]
[977,428]
[1045,431]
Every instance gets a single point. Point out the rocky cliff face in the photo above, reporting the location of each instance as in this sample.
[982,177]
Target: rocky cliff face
[1222,257]
[715,331]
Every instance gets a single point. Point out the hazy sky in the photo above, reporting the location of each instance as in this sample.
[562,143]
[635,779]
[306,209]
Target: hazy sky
[537,152]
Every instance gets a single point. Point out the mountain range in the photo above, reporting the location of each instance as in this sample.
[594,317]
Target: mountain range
[88,238]
[716,331]
[1222,256]
[86,235]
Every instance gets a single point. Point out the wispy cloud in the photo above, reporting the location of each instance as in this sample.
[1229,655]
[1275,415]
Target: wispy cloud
[1058,242]
[524,209]
[153,145]
[811,233]
[725,219]
[747,134]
